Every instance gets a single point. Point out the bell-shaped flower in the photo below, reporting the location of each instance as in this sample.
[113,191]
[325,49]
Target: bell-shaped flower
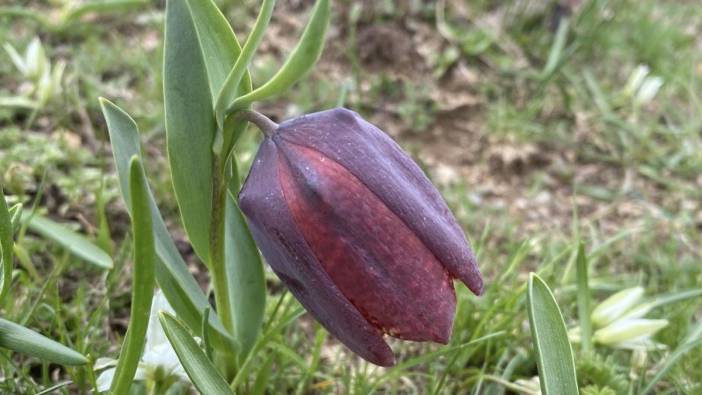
[357,232]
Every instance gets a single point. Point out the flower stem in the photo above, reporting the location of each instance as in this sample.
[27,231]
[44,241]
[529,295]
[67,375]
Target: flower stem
[217,264]
[265,124]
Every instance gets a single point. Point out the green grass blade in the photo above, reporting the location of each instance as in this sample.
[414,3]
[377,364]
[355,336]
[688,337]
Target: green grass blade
[70,240]
[553,351]
[101,7]
[20,339]
[230,89]
[263,376]
[403,367]
[555,55]
[142,283]
[583,298]
[662,300]
[54,388]
[172,275]
[190,124]
[6,242]
[692,341]
[300,61]
[200,369]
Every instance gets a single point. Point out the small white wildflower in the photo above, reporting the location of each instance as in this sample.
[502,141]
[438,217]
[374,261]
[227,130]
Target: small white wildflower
[636,78]
[614,307]
[648,90]
[158,356]
[629,331]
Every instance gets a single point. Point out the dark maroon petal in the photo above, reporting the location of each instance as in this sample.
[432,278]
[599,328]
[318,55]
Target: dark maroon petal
[379,163]
[371,255]
[286,251]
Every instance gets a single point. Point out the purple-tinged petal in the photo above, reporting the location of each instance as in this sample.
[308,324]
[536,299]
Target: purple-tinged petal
[371,255]
[287,252]
[379,163]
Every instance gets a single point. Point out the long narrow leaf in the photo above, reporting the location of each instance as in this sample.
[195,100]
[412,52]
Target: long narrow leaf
[300,61]
[230,89]
[247,286]
[72,241]
[24,340]
[553,351]
[6,232]
[583,298]
[221,49]
[172,275]
[692,341]
[190,124]
[143,280]
[200,369]
[218,43]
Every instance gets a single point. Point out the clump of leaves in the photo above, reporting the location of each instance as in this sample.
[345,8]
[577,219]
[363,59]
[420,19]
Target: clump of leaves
[596,371]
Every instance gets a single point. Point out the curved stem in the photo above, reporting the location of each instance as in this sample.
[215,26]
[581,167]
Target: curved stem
[265,124]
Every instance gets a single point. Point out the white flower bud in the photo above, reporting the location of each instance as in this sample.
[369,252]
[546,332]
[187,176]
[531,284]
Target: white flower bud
[615,306]
[629,330]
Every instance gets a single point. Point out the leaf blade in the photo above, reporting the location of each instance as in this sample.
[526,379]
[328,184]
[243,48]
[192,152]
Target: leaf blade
[583,298]
[554,354]
[70,240]
[6,242]
[218,43]
[245,273]
[230,88]
[143,281]
[17,338]
[172,275]
[300,61]
[190,124]
[200,369]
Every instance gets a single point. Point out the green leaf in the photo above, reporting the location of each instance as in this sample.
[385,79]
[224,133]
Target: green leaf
[300,61]
[553,351]
[142,282]
[220,49]
[6,242]
[219,45]
[101,7]
[583,298]
[72,241]
[692,341]
[231,90]
[200,369]
[555,55]
[172,275]
[20,339]
[246,278]
[190,124]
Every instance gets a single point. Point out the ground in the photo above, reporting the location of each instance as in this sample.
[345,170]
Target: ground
[526,114]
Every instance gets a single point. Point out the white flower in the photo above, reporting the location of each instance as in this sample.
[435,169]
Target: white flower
[641,86]
[634,333]
[648,90]
[158,354]
[614,307]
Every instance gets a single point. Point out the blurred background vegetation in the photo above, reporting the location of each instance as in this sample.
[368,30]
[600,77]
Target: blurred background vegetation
[544,123]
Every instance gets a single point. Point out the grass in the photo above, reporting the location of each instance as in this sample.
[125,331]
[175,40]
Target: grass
[545,145]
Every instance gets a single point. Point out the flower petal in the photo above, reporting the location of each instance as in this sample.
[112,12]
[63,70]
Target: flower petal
[284,248]
[375,159]
[376,261]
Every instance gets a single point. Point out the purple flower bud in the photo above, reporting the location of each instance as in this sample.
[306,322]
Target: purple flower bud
[357,232]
